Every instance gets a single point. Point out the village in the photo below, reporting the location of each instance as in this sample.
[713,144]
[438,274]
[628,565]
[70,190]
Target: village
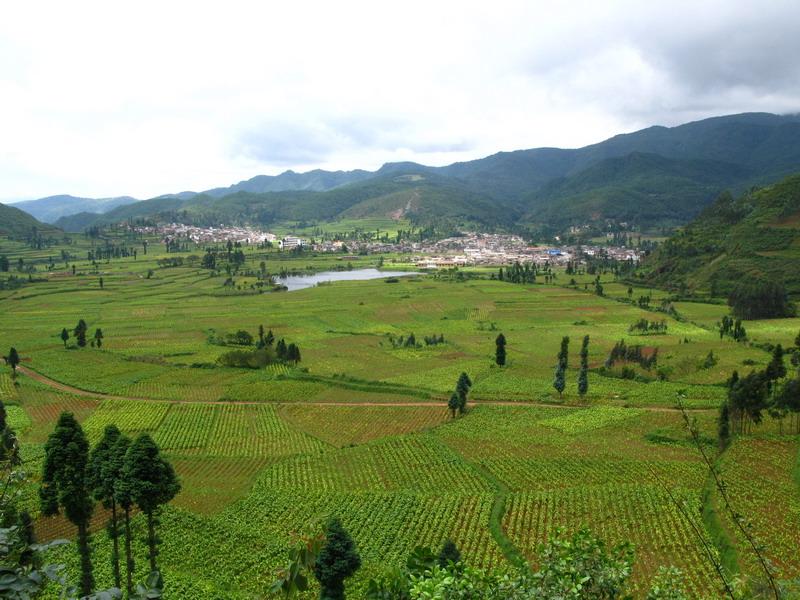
[467,249]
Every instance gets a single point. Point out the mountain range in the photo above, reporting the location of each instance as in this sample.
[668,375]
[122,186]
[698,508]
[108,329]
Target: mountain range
[654,177]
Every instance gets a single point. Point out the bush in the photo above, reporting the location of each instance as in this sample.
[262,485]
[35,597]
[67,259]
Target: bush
[249,359]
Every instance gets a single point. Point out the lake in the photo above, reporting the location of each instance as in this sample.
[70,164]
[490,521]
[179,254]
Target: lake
[300,282]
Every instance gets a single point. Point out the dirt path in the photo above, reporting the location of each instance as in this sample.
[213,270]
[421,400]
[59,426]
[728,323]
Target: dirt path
[63,387]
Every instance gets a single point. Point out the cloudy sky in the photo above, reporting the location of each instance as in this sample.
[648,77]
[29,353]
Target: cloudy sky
[144,98]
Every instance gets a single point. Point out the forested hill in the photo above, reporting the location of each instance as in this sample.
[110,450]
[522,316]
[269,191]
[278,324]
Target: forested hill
[653,177]
[754,236]
[18,224]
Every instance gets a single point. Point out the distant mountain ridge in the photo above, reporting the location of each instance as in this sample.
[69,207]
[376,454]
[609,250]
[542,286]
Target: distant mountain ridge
[52,208]
[655,176]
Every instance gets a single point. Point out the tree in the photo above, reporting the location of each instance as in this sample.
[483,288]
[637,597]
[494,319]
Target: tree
[583,376]
[748,397]
[500,350]
[755,298]
[98,337]
[454,403]
[270,339]
[124,499]
[293,353]
[65,485]
[559,380]
[13,359]
[152,482]
[462,390]
[449,554]
[724,426]
[80,333]
[337,561]
[104,471]
[776,369]
[261,342]
[101,283]
[280,349]
[4,264]
[64,336]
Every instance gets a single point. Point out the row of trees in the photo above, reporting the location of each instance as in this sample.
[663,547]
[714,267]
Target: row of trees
[732,328]
[647,327]
[411,340]
[458,400]
[80,333]
[750,396]
[559,380]
[120,473]
[634,353]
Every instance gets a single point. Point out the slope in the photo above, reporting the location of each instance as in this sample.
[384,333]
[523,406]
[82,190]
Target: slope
[756,235]
[20,225]
[643,189]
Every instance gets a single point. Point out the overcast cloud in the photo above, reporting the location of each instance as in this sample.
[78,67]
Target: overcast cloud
[144,98]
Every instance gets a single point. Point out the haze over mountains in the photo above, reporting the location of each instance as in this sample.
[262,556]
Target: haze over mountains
[653,177]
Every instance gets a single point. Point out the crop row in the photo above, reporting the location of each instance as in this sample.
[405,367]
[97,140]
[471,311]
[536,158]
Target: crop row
[642,514]
[416,462]
[761,477]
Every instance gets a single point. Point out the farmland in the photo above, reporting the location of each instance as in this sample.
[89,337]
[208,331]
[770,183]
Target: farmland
[359,428]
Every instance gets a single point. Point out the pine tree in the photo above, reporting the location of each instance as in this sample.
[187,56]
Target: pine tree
[559,380]
[13,359]
[261,342]
[449,554]
[500,350]
[80,333]
[65,485]
[64,336]
[152,482]
[104,471]
[98,337]
[337,561]
[293,353]
[280,349]
[453,403]
[776,369]
[462,389]
[270,339]
[124,499]
[724,426]
[583,376]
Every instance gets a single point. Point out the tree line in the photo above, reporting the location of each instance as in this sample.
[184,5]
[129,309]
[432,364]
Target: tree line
[80,333]
[120,473]
[768,390]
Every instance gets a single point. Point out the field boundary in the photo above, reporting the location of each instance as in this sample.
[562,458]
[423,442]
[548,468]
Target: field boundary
[76,391]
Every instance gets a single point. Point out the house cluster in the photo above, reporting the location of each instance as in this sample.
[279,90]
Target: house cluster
[497,249]
[208,235]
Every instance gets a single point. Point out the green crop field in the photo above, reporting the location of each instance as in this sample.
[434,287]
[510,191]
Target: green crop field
[360,428]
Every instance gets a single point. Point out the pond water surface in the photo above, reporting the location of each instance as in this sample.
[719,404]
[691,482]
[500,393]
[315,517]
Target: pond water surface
[299,282]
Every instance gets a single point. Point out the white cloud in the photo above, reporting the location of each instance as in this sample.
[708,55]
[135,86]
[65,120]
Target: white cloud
[100,98]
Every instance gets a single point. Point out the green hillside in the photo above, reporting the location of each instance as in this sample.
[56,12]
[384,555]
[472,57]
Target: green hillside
[756,235]
[645,189]
[18,224]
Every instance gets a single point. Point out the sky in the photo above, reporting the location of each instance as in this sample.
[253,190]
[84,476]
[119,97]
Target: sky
[142,98]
